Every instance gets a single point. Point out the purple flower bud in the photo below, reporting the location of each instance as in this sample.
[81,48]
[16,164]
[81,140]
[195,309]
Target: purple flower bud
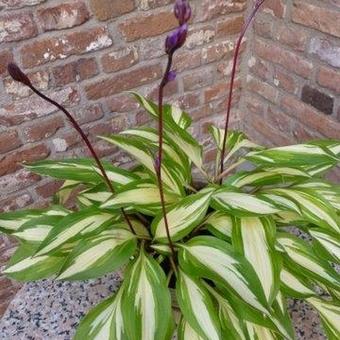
[176,39]
[182,11]
[17,74]
[171,76]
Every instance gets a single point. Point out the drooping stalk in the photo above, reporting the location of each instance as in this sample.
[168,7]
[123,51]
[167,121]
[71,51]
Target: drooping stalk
[18,75]
[257,6]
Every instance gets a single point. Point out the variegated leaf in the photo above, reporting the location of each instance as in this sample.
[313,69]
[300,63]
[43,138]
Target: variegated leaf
[333,145]
[197,307]
[146,303]
[302,257]
[220,225]
[254,237]
[258,332]
[313,207]
[186,332]
[98,255]
[24,267]
[293,156]
[81,170]
[105,321]
[241,204]
[182,217]
[330,316]
[211,258]
[295,285]
[74,226]
[327,244]
[142,196]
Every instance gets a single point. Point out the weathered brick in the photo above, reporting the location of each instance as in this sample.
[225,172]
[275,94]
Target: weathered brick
[89,114]
[285,81]
[39,79]
[149,4]
[317,99]
[15,27]
[260,68]
[255,105]
[119,60]
[9,140]
[287,59]
[42,129]
[199,36]
[49,189]
[106,9]
[229,26]
[278,119]
[11,162]
[276,8]
[49,49]
[218,90]
[310,117]
[263,27]
[186,60]
[122,82]
[20,111]
[121,103]
[66,141]
[326,50]
[262,88]
[144,26]
[198,80]
[329,78]
[6,57]
[20,3]
[63,16]
[17,181]
[217,51]
[320,18]
[80,69]
[292,36]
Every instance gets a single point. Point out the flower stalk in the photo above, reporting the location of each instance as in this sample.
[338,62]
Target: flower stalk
[17,74]
[258,4]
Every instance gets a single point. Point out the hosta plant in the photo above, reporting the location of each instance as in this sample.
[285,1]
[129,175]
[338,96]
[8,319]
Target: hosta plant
[212,259]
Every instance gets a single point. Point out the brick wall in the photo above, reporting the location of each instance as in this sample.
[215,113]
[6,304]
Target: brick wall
[292,72]
[85,54]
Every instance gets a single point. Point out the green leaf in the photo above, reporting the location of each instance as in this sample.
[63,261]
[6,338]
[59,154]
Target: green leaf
[186,332]
[300,255]
[293,156]
[327,244]
[220,225]
[333,145]
[241,204]
[211,258]
[313,207]
[197,307]
[105,321]
[98,255]
[142,196]
[330,316]
[74,226]
[254,238]
[295,285]
[81,170]
[182,217]
[146,303]
[24,267]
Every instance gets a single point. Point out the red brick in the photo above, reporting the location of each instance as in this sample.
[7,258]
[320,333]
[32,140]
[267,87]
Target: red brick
[310,117]
[322,19]
[285,81]
[42,129]
[149,4]
[66,141]
[21,3]
[122,82]
[210,9]
[119,60]
[9,140]
[63,16]
[263,27]
[121,103]
[49,49]
[115,125]
[261,68]
[292,36]
[39,79]
[6,57]
[15,27]
[16,202]
[329,78]
[198,80]
[279,120]
[17,181]
[20,111]
[262,88]
[255,106]
[186,60]
[49,189]
[326,50]
[89,114]
[11,162]
[106,9]
[218,90]
[287,59]
[276,8]
[229,26]
[220,50]
[78,70]
[144,26]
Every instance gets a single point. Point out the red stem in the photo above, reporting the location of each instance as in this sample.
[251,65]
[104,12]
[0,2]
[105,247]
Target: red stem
[158,165]
[88,144]
[257,6]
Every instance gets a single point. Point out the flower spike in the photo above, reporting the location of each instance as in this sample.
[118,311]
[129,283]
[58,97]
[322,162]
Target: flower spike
[182,11]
